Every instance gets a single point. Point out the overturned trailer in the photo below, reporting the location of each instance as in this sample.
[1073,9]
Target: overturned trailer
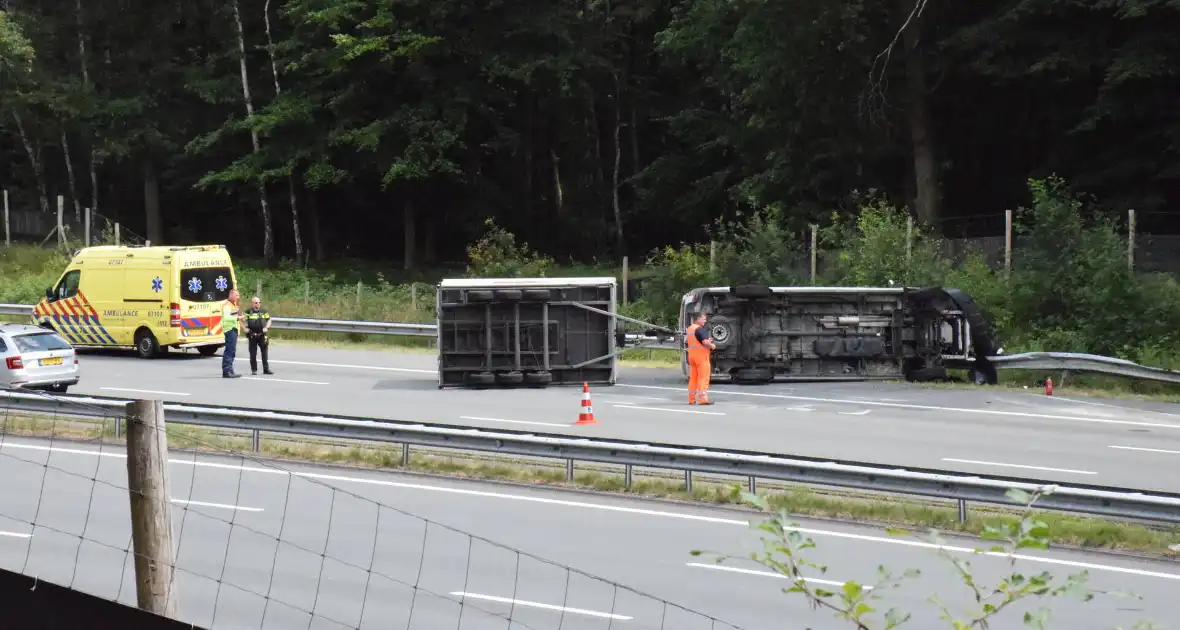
[842,333]
[526,331]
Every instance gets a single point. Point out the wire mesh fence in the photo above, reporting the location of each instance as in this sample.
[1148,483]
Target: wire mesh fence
[258,544]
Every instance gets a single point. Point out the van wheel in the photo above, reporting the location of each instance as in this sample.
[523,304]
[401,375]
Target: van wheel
[146,345]
[208,351]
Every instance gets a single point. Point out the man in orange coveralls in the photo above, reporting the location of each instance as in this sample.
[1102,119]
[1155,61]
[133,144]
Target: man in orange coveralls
[699,367]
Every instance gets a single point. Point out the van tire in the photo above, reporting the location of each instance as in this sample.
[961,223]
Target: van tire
[207,351]
[146,344]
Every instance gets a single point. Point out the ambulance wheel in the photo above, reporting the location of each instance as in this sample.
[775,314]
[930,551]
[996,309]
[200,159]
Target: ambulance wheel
[208,351]
[146,344]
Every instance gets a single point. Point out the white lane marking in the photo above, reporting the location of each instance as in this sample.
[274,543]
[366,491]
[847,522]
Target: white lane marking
[219,505]
[543,424]
[973,461]
[718,567]
[521,602]
[1149,450]
[854,413]
[703,413]
[630,510]
[283,380]
[142,391]
[800,409]
[993,412]
[346,366]
[15,535]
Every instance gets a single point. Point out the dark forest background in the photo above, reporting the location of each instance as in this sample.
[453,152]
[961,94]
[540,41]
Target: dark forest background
[317,129]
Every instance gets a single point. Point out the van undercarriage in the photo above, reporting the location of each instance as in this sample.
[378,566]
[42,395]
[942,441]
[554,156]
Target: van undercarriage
[844,333]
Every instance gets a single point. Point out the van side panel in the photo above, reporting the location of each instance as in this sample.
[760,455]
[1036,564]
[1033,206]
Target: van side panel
[102,284]
[144,298]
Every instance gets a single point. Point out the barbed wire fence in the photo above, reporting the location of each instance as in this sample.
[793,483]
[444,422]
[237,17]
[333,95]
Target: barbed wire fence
[260,545]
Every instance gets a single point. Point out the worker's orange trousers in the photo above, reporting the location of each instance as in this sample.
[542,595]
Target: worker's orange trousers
[699,368]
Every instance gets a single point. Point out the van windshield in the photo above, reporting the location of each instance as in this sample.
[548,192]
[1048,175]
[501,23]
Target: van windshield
[205,284]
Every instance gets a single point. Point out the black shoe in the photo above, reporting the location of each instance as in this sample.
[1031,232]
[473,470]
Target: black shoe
[231,375]
[267,371]
[253,372]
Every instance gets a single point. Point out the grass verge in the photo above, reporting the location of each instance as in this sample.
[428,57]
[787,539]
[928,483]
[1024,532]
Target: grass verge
[1067,530]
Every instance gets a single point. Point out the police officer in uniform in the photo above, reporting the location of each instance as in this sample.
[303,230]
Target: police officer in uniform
[257,325]
[230,323]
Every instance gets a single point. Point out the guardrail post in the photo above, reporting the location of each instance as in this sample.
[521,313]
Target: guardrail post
[406,455]
[962,510]
[753,485]
[569,470]
[256,441]
[118,428]
[627,476]
[151,507]
[688,481]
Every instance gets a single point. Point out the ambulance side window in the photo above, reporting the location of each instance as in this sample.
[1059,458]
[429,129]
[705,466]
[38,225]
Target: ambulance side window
[68,287]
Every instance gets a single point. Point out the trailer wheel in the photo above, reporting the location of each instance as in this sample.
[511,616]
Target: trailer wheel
[538,379]
[480,296]
[509,378]
[481,378]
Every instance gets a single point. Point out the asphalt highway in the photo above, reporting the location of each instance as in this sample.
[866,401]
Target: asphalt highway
[353,544]
[980,430]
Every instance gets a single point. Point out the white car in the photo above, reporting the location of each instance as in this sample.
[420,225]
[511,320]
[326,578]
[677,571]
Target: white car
[35,358]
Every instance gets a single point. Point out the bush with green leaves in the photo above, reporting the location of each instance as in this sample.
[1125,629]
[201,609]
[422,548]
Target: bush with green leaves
[783,547]
[497,255]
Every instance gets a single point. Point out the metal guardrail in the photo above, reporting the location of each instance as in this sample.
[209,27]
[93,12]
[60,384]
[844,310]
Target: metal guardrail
[1083,363]
[1085,499]
[1070,361]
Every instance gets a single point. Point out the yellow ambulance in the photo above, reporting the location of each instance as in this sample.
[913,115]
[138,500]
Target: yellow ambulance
[147,298]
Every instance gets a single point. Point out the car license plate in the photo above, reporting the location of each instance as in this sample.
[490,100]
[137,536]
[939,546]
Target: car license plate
[53,361]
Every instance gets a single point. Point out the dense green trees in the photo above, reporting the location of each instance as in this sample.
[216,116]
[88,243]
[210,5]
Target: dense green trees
[291,128]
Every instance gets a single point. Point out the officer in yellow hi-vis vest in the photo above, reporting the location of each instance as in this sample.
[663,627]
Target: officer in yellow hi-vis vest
[230,323]
[257,325]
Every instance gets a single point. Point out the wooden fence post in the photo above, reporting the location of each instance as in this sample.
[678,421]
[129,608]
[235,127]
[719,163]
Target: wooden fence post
[151,507]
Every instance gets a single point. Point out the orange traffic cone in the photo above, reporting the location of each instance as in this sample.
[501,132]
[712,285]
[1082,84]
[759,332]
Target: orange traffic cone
[1049,387]
[587,415]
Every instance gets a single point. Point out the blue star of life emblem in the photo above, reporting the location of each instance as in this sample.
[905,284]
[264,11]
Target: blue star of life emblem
[221,283]
[157,284]
[194,285]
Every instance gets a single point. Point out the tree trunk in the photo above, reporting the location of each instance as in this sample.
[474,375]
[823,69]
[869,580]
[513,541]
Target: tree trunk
[408,236]
[151,203]
[558,195]
[620,243]
[928,199]
[268,244]
[317,241]
[73,183]
[35,161]
[85,63]
[274,70]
